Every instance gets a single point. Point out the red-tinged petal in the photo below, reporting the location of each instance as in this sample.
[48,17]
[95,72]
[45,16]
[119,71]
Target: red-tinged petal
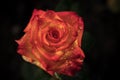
[48,55]
[77,53]
[70,62]
[80,31]
[51,15]
[41,61]
[25,48]
[38,13]
[75,22]
[68,17]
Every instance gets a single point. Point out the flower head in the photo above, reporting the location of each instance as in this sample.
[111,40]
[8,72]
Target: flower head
[52,41]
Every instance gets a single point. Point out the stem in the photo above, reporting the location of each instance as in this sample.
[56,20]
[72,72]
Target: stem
[56,77]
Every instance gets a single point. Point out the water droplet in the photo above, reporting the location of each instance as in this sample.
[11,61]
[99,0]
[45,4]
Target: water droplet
[80,27]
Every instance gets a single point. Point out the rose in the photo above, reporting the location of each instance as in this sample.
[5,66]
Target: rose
[52,41]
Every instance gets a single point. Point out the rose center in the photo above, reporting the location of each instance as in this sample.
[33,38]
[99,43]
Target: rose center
[54,34]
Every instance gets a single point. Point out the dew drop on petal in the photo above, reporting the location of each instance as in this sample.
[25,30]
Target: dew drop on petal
[80,27]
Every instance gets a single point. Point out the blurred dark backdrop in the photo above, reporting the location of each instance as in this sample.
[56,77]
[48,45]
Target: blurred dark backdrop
[100,40]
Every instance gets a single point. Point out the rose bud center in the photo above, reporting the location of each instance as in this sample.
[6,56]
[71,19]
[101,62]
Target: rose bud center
[54,34]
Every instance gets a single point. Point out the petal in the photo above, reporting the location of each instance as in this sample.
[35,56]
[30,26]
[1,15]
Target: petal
[78,53]
[35,13]
[70,62]
[68,17]
[74,21]
[80,31]
[51,15]
[25,48]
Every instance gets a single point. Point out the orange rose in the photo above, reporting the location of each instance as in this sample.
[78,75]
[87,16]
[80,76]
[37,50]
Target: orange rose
[52,41]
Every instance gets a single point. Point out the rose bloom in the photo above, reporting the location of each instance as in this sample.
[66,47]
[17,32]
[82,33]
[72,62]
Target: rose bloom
[52,41]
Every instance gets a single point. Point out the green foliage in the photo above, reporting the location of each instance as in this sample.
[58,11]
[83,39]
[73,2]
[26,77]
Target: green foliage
[32,72]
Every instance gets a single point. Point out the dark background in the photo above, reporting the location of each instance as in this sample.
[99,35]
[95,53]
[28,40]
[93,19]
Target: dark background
[100,39]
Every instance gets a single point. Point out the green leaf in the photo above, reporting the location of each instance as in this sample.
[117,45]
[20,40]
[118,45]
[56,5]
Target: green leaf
[32,72]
